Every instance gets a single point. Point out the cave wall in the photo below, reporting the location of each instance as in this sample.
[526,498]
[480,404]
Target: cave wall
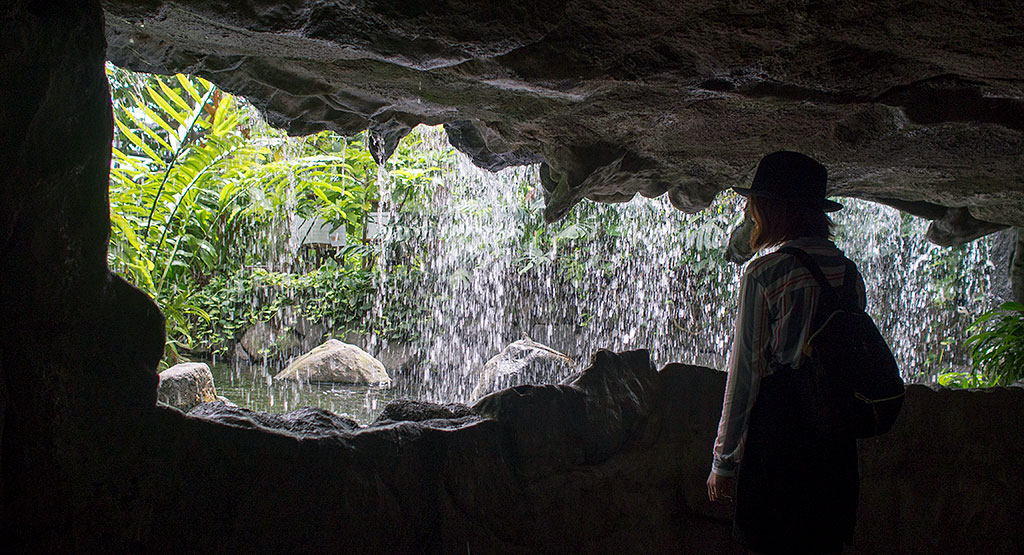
[90,464]
[78,345]
[919,104]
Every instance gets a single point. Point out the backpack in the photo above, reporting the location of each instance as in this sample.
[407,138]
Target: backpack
[849,384]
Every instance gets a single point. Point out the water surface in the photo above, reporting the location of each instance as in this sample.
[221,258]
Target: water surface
[251,386]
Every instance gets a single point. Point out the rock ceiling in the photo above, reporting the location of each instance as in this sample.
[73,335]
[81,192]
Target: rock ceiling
[918,104]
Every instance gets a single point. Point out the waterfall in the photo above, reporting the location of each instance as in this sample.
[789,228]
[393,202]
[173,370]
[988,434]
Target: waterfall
[485,271]
[274,247]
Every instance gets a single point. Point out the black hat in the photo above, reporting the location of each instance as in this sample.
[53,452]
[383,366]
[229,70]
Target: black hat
[791,177]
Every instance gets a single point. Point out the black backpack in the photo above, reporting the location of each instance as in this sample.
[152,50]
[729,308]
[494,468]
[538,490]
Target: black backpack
[849,384]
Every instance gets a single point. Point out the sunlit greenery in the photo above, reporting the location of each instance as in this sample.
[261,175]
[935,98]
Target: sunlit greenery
[201,193]
[996,345]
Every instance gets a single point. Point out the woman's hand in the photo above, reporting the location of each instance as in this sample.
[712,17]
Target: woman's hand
[720,488]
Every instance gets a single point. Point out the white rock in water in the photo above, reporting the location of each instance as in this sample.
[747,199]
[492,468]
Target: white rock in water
[186,385]
[337,362]
[524,361]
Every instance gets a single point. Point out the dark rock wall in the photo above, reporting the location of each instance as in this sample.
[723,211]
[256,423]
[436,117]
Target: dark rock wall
[78,346]
[946,479]
[913,103]
[614,463]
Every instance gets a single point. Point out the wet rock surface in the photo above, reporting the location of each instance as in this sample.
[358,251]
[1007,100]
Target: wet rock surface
[614,462]
[408,410]
[337,362]
[186,385]
[915,104]
[306,422]
[522,362]
[612,403]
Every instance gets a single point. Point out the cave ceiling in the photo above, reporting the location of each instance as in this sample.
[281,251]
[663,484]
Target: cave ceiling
[915,104]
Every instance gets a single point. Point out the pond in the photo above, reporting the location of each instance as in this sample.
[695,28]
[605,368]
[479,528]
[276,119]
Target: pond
[252,387]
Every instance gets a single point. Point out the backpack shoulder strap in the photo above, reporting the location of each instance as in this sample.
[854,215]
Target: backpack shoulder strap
[850,282]
[812,266]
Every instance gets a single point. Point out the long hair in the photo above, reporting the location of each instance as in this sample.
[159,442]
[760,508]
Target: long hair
[776,222]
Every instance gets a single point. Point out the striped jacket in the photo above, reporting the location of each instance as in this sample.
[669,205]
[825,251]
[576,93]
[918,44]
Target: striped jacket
[777,300]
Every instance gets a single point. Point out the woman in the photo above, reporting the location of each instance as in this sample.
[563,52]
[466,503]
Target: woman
[794,493]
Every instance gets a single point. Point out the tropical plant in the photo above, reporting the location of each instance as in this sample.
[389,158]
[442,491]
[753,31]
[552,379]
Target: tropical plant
[996,346]
[203,197]
[175,181]
[193,196]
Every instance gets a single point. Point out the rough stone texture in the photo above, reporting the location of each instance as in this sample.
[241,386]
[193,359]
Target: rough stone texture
[186,385]
[307,422]
[338,362]
[90,464]
[1005,282]
[942,462]
[738,250]
[78,345]
[918,104]
[613,463]
[584,422]
[521,362]
[408,410]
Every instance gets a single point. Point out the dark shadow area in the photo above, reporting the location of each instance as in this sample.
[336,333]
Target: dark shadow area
[613,462]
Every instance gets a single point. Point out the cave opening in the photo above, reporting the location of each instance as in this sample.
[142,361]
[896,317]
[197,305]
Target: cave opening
[437,266]
[611,463]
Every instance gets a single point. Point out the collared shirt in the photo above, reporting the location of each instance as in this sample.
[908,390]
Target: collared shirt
[778,296]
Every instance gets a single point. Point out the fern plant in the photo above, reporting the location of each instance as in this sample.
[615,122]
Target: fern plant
[996,346]
[173,149]
[200,191]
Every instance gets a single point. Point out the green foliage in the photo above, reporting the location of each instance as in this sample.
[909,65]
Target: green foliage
[996,346]
[333,294]
[175,170]
[201,194]
[196,197]
[964,380]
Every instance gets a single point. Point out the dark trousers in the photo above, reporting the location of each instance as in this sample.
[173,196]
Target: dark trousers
[796,493]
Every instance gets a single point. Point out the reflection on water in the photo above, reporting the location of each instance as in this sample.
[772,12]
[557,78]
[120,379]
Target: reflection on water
[252,387]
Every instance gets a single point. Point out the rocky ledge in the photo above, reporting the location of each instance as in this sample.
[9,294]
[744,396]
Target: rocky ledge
[918,105]
[612,462]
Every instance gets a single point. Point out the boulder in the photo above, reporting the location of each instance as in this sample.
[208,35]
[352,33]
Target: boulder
[186,385]
[613,403]
[522,362]
[410,410]
[337,362]
[307,422]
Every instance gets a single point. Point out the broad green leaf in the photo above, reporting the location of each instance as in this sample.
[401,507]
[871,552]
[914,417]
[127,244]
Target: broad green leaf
[179,117]
[225,119]
[174,97]
[153,115]
[138,142]
[187,85]
[126,230]
[152,134]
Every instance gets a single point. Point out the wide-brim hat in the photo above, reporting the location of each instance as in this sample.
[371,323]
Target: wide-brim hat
[791,177]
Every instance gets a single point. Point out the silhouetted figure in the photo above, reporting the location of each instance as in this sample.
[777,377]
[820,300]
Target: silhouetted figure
[795,493]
